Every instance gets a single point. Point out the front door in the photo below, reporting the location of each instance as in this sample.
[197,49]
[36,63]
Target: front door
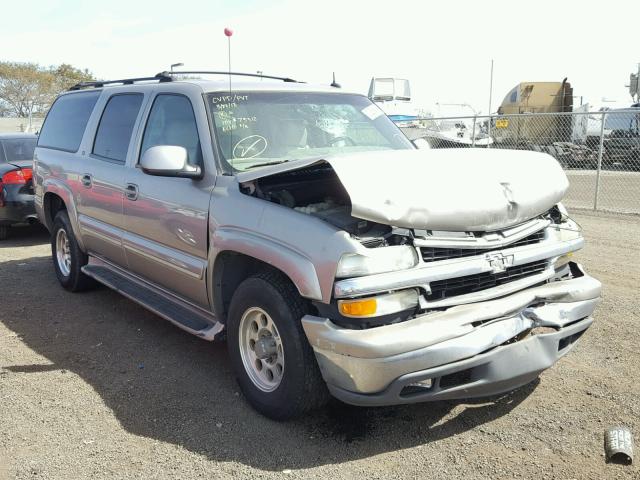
[165,218]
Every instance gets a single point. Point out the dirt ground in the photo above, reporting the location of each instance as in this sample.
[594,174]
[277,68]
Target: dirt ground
[94,386]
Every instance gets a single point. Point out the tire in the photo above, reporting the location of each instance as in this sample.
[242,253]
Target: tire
[4,232]
[300,387]
[69,274]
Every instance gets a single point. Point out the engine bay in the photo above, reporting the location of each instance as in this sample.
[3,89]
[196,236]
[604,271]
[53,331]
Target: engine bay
[317,191]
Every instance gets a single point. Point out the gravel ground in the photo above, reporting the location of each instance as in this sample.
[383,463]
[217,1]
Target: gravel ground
[93,386]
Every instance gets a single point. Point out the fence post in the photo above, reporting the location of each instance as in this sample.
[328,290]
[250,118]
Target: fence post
[473,131]
[489,132]
[600,150]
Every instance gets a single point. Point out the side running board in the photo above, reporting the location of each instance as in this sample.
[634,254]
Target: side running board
[189,318]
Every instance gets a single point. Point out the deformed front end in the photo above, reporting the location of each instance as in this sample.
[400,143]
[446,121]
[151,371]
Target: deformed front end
[473,314]
[460,280]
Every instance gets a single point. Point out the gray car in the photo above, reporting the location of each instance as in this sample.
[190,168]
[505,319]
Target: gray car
[300,223]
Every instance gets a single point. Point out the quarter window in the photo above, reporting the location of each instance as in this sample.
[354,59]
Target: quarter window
[116,126]
[172,122]
[65,124]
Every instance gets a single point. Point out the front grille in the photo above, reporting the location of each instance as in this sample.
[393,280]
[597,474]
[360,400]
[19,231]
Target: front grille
[433,254]
[452,287]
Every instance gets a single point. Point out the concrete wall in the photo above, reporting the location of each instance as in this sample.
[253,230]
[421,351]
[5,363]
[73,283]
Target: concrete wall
[10,125]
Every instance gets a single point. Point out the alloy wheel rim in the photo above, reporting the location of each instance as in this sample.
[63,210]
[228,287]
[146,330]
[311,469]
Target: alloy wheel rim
[261,349]
[63,252]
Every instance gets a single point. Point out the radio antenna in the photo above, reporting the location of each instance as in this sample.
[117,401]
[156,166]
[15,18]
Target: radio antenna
[334,83]
[228,33]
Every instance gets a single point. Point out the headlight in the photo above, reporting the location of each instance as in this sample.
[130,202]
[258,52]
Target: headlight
[379,305]
[378,260]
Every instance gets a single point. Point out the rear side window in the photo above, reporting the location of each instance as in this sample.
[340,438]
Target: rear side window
[116,125]
[172,122]
[64,127]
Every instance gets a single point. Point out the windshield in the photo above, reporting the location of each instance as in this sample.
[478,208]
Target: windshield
[255,129]
[16,149]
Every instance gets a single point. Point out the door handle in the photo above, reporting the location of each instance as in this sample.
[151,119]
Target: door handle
[131,191]
[86,180]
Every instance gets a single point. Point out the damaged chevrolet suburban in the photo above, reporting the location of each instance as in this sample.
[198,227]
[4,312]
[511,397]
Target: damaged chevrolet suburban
[302,225]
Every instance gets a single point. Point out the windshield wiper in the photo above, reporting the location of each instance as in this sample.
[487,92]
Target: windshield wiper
[266,164]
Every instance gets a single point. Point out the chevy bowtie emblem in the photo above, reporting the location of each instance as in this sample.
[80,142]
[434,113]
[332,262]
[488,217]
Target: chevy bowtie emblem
[498,262]
[508,193]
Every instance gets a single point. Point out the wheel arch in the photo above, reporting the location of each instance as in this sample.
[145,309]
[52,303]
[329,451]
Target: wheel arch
[59,197]
[233,261]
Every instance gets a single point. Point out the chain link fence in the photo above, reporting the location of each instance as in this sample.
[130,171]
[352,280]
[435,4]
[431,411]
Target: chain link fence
[600,151]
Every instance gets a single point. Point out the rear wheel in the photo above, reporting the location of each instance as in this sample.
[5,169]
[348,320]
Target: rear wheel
[68,259]
[274,364]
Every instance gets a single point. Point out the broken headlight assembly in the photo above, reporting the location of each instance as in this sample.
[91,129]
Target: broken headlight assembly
[563,261]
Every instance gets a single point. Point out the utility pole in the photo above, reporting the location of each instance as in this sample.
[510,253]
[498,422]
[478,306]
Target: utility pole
[491,87]
[490,100]
[634,85]
[638,84]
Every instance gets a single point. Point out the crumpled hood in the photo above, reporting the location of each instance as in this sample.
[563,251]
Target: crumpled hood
[444,189]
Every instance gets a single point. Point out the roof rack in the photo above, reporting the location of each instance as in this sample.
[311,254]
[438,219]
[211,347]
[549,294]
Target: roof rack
[207,72]
[168,77]
[160,77]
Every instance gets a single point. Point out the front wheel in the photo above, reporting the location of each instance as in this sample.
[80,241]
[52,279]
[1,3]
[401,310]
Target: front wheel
[68,259]
[274,364]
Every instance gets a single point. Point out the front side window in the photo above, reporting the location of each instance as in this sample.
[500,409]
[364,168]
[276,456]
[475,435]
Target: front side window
[116,126]
[260,128]
[65,124]
[172,122]
[17,149]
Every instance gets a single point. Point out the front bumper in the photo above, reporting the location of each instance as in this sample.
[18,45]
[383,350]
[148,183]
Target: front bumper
[466,351]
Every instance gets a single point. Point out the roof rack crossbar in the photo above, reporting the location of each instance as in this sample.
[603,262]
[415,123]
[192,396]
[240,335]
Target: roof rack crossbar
[208,72]
[161,77]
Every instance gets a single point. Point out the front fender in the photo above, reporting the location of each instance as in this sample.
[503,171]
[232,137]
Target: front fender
[295,265]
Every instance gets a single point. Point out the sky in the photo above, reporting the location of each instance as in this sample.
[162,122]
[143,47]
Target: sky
[444,48]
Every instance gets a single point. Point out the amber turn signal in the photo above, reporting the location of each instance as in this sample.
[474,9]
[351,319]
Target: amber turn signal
[358,308]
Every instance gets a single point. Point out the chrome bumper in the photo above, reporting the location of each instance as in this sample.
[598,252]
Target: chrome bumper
[483,340]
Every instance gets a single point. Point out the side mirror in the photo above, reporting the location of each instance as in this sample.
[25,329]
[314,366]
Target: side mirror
[421,144]
[168,161]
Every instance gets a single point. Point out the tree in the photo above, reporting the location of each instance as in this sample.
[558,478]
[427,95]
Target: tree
[28,89]
[66,76]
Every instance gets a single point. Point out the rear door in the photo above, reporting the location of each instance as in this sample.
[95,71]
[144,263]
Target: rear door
[166,218]
[100,203]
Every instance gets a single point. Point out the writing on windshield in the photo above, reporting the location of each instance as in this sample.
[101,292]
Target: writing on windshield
[255,128]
